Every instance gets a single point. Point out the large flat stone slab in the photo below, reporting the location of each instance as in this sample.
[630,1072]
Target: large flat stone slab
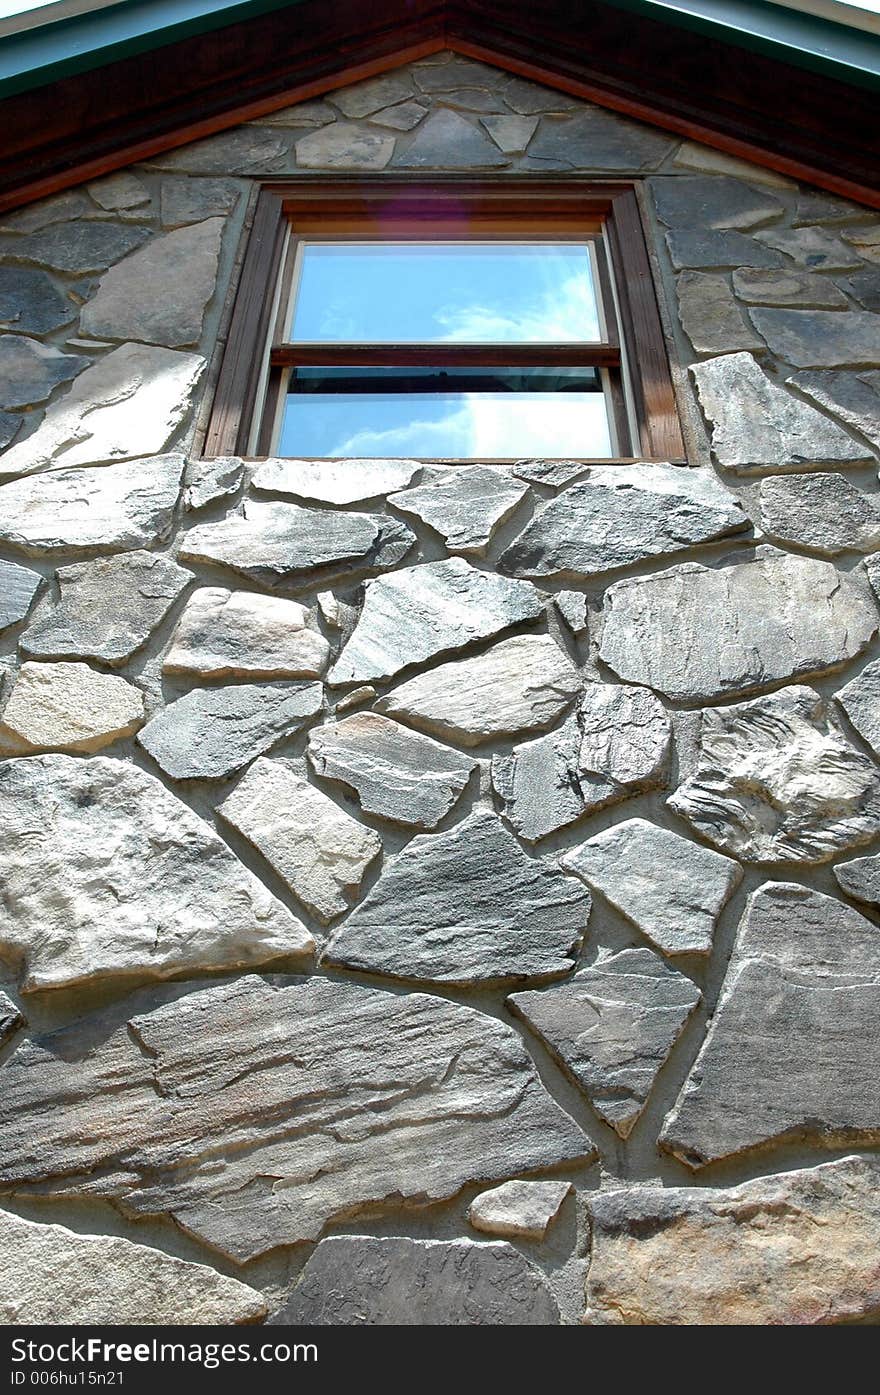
[612,1026]
[698,633]
[446,140]
[31,303]
[816,248]
[821,338]
[792,1250]
[793,1048]
[281,1108]
[465,506]
[623,514]
[106,874]
[77,247]
[239,634]
[344,146]
[853,397]
[520,684]
[30,371]
[334,481]
[68,707]
[421,613]
[383,1281]
[860,878]
[395,773]
[777,781]
[592,138]
[825,513]
[711,247]
[18,586]
[788,287]
[466,906]
[710,316]
[712,201]
[860,700]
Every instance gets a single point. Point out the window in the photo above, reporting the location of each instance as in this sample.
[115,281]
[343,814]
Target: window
[486,320]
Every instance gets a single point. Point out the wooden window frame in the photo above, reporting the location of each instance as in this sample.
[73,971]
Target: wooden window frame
[447,208]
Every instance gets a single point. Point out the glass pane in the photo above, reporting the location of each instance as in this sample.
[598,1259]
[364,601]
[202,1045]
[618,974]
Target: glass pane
[455,292]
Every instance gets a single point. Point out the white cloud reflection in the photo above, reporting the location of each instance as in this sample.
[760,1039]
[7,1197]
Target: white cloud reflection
[566,314]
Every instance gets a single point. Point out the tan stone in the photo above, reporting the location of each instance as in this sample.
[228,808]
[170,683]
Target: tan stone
[68,707]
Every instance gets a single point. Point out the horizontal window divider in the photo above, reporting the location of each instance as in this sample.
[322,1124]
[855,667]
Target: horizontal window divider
[446,355]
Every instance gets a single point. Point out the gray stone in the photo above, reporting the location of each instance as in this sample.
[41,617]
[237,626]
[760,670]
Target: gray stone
[236,634]
[106,874]
[614,746]
[698,633]
[11,1020]
[78,247]
[383,1281]
[245,150]
[532,98]
[317,849]
[860,700]
[698,247]
[712,201]
[30,371]
[403,117]
[710,316]
[860,878]
[212,732]
[422,612]
[207,481]
[671,889]
[511,133]
[520,684]
[184,263]
[777,781]
[365,98]
[344,146]
[620,514]
[612,1027]
[693,156]
[795,1249]
[10,426]
[866,240]
[811,247]
[865,287]
[270,542]
[51,1275]
[464,505]
[18,586]
[595,139]
[282,1107]
[757,425]
[821,338]
[334,481]
[522,1209]
[447,140]
[31,303]
[854,397]
[105,609]
[60,208]
[466,906]
[787,287]
[97,510]
[68,707]
[455,72]
[813,207]
[793,1047]
[572,606]
[396,773]
[552,473]
[119,192]
[190,200]
[825,513]
[310,113]
[127,404]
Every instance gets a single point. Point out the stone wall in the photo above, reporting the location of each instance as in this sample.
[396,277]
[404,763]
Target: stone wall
[445,881]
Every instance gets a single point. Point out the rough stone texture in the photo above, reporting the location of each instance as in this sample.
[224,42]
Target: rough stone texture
[865,287]
[106,609]
[11,1019]
[572,606]
[128,404]
[106,874]
[465,506]
[711,318]
[236,634]
[422,612]
[622,514]
[403,117]
[756,424]
[615,745]
[51,1275]
[825,513]
[30,371]
[334,481]
[212,732]
[594,138]
[793,1048]
[821,338]
[511,133]
[68,707]
[185,201]
[207,481]
[269,542]
[58,209]
[552,473]
[612,1027]
[395,772]
[860,878]
[777,781]
[794,1249]
[712,201]
[447,140]
[31,303]
[18,586]
[96,510]
[466,906]
[698,633]
[696,247]
[78,247]
[119,192]
[692,156]
[812,247]
[520,684]
[525,1210]
[383,1281]
[672,889]
[786,287]
[854,397]
[246,150]
[365,98]
[262,1135]
[320,851]
[184,264]
[344,147]
[860,700]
